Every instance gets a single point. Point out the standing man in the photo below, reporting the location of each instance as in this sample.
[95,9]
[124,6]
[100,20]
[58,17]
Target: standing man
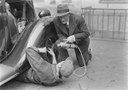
[72,28]
[49,36]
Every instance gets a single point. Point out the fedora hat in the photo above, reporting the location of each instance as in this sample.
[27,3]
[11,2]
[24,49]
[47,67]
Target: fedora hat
[62,9]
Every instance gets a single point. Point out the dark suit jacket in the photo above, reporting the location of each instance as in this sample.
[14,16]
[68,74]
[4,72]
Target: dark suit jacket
[77,27]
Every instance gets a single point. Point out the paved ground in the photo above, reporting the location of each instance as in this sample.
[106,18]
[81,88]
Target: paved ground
[106,71]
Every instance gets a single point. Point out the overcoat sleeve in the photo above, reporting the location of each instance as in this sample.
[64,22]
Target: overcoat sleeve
[83,32]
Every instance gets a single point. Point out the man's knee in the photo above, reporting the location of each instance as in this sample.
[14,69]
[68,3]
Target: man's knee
[28,50]
[31,50]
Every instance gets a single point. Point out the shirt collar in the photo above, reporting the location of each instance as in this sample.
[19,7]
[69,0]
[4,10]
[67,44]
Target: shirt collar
[68,22]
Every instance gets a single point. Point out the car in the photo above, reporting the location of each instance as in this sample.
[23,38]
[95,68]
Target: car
[14,40]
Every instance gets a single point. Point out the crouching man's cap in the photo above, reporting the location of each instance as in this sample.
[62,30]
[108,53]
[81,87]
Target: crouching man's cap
[44,12]
[62,9]
[67,67]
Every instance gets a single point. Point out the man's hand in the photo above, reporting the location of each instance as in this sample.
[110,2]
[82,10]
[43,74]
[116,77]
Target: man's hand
[53,56]
[67,45]
[63,44]
[51,51]
[71,39]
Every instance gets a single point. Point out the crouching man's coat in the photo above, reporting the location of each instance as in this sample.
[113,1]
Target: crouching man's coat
[78,28]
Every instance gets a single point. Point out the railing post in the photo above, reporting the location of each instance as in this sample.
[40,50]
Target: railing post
[89,18]
[125,25]
[97,22]
[119,22]
[102,22]
[113,25]
[108,16]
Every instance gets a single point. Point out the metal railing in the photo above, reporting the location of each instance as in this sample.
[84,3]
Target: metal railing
[107,23]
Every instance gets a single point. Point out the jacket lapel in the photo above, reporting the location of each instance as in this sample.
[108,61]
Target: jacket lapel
[72,25]
[62,27]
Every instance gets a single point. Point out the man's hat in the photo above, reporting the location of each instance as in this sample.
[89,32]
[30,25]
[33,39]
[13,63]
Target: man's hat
[62,9]
[67,67]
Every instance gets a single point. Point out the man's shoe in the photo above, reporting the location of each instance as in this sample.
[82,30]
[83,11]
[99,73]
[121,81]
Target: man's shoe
[89,53]
[89,57]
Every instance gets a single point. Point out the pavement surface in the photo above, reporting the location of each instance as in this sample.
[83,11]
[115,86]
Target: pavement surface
[106,71]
